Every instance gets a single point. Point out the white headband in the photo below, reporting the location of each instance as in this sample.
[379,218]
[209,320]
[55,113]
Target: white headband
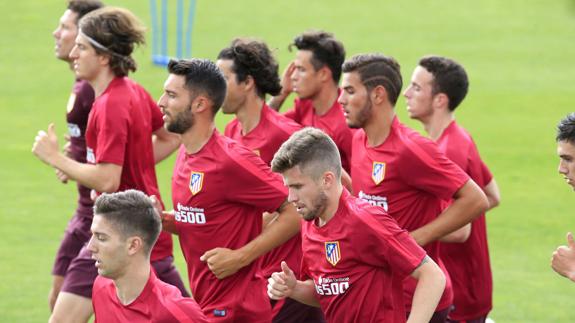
[100,46]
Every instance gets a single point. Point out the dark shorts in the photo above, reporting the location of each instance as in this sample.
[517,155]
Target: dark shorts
[475,320]
[293,311]
[82,273]
[76,235]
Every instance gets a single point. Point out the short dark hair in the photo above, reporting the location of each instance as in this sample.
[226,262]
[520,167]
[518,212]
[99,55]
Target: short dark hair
[82,7]
[325,48]
[375,70]
[254,58]
[312,150]
[132,213]
[566,129]
[449,77]
[118,31]
[202,77]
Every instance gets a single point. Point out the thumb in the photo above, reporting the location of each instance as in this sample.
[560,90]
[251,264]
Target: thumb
[51,130]
[570,240]
[286,270]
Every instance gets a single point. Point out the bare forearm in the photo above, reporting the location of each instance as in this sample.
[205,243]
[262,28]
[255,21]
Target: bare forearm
[304,292]
[469,202]
[284,226]
[276,102]
[164,146]
[88,175]
[430,286]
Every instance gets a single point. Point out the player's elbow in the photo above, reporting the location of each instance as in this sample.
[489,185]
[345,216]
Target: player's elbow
[109,186]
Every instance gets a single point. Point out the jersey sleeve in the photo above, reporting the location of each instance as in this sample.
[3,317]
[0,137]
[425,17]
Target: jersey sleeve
[425,167]
[479,171]
[251,181]
[381,242]
[112,135]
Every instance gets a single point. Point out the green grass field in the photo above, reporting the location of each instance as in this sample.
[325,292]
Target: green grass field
[519,55]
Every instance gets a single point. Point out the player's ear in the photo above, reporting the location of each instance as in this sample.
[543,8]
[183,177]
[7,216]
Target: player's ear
[325,73]
[249,83]
[328,179]
[201,103]
[378,94]
[440,101]
[135,244]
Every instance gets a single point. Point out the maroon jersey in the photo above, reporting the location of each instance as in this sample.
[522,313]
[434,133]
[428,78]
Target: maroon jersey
[409,177]
[119,132]
[332,123]
[265,139]
[78,109]
[357,261]
[158,302]
[219,195]
[468,263]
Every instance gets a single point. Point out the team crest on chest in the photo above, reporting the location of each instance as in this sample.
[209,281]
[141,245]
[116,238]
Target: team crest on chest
[378,172]
[196,182]
[332,252]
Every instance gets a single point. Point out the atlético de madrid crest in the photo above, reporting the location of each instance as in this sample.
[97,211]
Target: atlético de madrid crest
[378,172]
[196,181]
[332,252]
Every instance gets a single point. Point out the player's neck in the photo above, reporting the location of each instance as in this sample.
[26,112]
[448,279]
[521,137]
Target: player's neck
[333,205]
[198,135]
[131,285]
[378,127]
[436,124]
[101,81]
[249,115]
[324,99]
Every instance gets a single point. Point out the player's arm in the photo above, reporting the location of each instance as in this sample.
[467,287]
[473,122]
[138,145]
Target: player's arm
[491,190]
[458,236]
[103,177]
[284,284]
[224,262]
[346,180]
[277,101]
[430,286]
[164,143]
[468,202]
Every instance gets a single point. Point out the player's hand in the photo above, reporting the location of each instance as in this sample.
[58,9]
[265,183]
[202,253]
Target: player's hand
[563,260]
[46,145]
[286,83]
[223,262]
[66,149]
[62,177]
[281,284]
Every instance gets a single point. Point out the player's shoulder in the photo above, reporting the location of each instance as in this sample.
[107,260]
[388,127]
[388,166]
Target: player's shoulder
[231,128]
[279,122]
[102,285]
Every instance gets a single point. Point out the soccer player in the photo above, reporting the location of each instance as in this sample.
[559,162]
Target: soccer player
[79,105]
[563,260]
[438,85]
[120,152]
[314,76]
[354,254]
[126,226]
[251,72]
[220,189]
[396,168]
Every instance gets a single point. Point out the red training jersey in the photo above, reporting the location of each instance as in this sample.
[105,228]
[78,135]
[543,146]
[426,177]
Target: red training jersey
[357,262]
[265,140]
[332,123]
[219,195]
[158,302]
[119,132]
[409,177]
[468,263]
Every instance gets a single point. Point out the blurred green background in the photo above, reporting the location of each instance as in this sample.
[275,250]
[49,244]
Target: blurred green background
[519,56]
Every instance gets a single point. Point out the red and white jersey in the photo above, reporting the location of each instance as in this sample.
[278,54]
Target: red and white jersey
[119,132]
[468,263]
[332,123]
[159,302]
[409,177]
[357,262]
[265,140]
[219,195]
